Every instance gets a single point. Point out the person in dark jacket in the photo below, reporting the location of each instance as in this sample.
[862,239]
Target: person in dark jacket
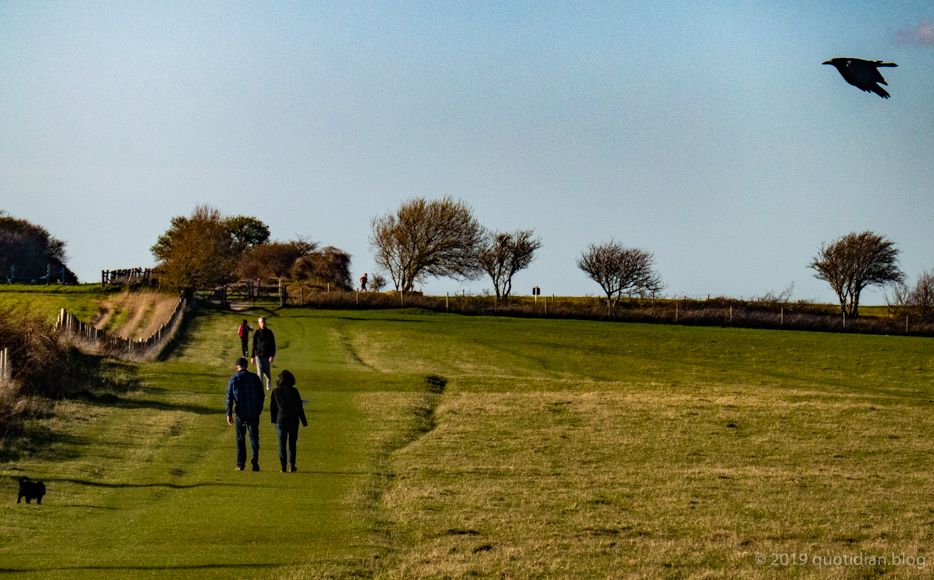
[264,349]
[245,396]
[286,411]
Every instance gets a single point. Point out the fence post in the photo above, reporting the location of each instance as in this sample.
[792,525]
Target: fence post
[906,323]
[783,316]
[447,298]
[6,372]
[676,311]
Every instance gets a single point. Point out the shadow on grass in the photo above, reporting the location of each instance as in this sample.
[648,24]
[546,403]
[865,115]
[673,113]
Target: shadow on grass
[111,400]
[41,443]
[182,337]
[87,483]
[154,568]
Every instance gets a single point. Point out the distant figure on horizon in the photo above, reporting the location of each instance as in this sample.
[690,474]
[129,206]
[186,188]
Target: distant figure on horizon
[363,281]
[264,349]
[244,334]
[862,74]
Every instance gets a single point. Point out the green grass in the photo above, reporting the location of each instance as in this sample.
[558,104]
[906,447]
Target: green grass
[544,449]
[82,300]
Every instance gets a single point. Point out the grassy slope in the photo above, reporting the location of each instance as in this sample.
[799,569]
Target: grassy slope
[143,483]
[82,300]
[557,448]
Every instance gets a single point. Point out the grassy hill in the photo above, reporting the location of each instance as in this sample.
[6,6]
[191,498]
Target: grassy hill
[448,446]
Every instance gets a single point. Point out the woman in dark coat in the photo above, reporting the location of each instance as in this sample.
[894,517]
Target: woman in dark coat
[286,410]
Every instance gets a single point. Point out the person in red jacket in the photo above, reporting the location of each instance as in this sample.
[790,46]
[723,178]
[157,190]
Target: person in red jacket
[286,411]
[244,334]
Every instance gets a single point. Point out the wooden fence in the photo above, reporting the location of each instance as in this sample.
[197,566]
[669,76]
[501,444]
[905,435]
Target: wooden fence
[6,370]
[243,291]
[101,341]
[128,276]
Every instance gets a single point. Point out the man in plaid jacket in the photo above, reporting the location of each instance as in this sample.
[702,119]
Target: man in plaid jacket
[245,396]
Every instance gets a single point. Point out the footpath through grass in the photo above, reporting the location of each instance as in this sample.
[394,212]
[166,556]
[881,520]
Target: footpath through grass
[142,483]
[447,446]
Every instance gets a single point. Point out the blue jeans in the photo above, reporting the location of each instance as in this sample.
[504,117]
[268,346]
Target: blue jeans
[242,426]
[287,432]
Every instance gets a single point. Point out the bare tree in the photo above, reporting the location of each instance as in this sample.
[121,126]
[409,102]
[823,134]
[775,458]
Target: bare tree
[621,270]
[423,238]
[503,254]
[378,282]
[918,300]
[854,262]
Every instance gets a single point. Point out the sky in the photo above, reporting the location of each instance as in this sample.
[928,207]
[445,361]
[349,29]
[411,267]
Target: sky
[707,133]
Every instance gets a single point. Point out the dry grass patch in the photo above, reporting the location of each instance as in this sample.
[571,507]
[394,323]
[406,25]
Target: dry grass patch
[135,315]
[664,482]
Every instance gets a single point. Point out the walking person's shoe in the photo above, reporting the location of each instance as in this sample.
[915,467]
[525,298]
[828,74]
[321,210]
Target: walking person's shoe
[256,466]
[293,469]
[238,468]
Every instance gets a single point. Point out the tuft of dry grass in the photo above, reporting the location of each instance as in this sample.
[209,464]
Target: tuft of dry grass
[661,482]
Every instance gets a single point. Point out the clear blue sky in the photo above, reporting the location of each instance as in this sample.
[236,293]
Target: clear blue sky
[708,133]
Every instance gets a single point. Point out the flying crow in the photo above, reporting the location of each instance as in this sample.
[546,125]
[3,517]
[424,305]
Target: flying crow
[862,74]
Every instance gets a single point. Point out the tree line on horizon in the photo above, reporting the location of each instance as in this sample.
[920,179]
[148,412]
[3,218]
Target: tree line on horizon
[441,238]
[29,251]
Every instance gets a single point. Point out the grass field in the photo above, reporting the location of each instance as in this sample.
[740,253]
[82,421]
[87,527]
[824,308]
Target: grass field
[81,300]
[452,447]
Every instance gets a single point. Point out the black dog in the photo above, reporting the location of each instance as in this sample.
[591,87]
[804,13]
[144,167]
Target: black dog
[30,490]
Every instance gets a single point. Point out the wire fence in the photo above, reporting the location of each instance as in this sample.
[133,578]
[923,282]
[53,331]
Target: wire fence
[687,312]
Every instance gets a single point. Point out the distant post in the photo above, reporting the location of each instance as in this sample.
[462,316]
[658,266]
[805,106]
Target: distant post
[447,300]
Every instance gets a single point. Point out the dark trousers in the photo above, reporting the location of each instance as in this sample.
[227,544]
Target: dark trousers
[243,426]
[288,432]
[243,343]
